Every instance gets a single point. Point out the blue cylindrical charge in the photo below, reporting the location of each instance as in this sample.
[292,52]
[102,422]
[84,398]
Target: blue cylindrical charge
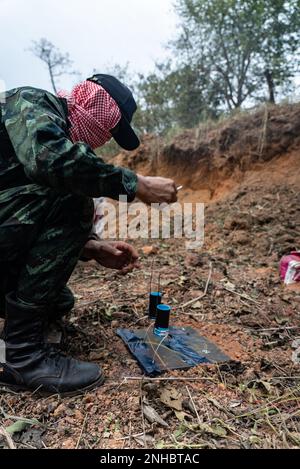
[161,327]
[154,301]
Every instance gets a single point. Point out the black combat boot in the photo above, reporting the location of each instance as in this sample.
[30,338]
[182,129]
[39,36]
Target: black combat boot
[33,365]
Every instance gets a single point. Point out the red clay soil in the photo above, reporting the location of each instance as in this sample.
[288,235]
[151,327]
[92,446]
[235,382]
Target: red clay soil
[213,160]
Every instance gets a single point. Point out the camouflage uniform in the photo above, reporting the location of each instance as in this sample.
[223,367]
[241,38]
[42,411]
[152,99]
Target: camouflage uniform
[46,188]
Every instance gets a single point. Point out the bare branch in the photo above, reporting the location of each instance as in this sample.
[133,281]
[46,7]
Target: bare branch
[57,63]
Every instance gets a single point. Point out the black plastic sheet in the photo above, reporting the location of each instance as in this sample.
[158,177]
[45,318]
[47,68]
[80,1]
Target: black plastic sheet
[183,348]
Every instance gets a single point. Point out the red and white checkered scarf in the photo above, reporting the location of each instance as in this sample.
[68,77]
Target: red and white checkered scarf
[92,114]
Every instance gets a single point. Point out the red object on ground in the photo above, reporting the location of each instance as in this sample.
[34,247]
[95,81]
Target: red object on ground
[290,268]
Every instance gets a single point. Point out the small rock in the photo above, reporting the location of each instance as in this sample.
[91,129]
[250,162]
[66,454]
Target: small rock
[219,293]
[68,444]
[149,250]
[296,343]
[78,416]
[60,410]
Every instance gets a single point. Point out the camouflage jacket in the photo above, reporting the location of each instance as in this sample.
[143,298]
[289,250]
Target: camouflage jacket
[37,157]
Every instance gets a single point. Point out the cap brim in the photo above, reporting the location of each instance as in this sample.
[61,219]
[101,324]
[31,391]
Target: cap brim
[125,136]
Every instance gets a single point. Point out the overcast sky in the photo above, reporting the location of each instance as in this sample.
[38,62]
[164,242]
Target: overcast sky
[94,32]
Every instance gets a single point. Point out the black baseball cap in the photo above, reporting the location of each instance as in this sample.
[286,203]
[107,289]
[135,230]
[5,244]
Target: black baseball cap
[124,134]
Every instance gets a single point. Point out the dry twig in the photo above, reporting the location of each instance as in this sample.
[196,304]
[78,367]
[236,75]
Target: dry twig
[193,403]
[81,433]
[194,300]
[7,437]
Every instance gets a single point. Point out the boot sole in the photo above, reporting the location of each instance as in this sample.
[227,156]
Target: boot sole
[17,388]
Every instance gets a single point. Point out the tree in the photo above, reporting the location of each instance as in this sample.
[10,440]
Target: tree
[172,97]
[57,63]
[154,102]
[242,45]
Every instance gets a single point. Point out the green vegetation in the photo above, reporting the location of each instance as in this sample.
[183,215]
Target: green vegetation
[228,54]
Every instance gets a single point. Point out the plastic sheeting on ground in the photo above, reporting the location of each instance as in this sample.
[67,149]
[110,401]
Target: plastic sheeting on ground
[183,348]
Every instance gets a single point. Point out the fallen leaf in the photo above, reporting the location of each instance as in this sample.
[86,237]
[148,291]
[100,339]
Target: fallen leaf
[216,430]
[33,437]
[254,440]
[215,403]
[197,305]
[171,398]
[265,385]
[160,445]
[188,405]
[179,432]
[152,416]
[294,437]
[181,415]
[21,425]
[141,440]
[234,404]
[228,284]
[296,343]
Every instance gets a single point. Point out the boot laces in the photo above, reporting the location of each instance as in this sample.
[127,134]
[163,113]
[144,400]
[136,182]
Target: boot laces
[53,355]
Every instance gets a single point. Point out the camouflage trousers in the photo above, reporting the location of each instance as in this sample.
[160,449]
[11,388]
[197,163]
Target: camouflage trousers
[37,260]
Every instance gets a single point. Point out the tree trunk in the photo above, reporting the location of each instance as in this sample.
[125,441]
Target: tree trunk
[52,79]
[271,86]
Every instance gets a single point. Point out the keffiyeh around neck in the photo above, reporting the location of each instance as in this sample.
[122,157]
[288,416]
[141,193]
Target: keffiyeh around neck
[92,114]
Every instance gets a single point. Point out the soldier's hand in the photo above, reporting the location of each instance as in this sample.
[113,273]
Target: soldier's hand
[113,255]
[156,190]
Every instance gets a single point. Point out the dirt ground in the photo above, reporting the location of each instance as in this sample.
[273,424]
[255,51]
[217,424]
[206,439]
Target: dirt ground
[252,403]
